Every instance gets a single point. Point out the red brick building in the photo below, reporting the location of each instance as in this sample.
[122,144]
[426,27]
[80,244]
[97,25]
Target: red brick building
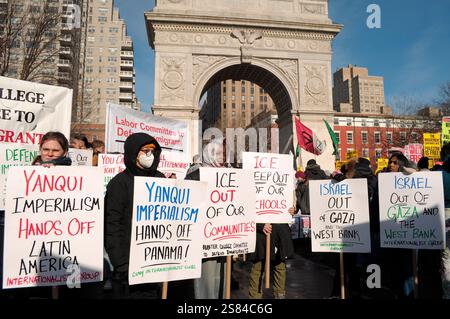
[373,135]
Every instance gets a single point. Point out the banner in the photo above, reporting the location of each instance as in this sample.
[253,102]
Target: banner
[12,154]
[111,165]
[274,180]
[80,157]
[412,210]
[229,226]
[340,217]
[121,122]
[53,226]
[28,110]
[165,241]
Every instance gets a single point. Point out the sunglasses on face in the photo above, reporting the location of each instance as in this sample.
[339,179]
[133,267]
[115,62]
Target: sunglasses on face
[393,162]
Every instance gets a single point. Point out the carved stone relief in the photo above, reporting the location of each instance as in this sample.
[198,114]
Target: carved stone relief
[201,63]
[311,8]
[246,39]
[289,68]
[315,86]
[172,79]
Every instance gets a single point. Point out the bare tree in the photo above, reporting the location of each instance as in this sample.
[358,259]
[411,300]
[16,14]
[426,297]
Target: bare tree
[30,31]
[444,102]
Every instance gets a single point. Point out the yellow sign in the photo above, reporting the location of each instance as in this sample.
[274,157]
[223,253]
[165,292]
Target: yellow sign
[351,154]
[445,130]
[339,165]
[382,163]
[432,145]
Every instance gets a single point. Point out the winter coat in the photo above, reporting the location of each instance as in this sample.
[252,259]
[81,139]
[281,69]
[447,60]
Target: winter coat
[280,238]
[119,200]
[314,172]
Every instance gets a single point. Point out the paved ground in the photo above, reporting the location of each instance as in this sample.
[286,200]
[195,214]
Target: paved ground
[309,276]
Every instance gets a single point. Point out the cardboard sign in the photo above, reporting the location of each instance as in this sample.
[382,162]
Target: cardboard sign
[229,226]
[53,226]
[432,145]
[340,218]
[273,176]
[412,210]
[165,241]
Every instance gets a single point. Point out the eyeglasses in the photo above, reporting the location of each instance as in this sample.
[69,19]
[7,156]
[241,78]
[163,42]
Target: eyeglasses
[393,162]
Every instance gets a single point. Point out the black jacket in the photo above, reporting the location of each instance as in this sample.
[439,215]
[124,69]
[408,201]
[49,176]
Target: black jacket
[119,200]
[280,238]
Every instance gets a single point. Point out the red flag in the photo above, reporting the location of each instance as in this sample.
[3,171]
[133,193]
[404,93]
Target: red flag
[307,139]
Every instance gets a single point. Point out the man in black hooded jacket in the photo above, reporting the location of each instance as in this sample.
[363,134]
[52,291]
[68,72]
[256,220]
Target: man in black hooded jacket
[141,157]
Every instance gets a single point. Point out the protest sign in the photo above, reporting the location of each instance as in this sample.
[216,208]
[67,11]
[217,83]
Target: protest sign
[80,157]
[340,216]
[111,164]
[273,176]
[173,162]
[229,226]
[445,130]
[412,210]
[414,151]
[12,154]
[28,110]
[165,241]
[121,122]
[432,145]
[53,226]
[382,163]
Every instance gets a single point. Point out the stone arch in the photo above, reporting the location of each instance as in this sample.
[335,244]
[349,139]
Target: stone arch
[216,68]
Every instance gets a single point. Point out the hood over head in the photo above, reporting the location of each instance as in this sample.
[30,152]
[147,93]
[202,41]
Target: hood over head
[133,144]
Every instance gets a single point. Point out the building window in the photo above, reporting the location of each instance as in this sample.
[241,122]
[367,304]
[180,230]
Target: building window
[349,122]
[349,137]
[365,152]
[233,105]
[336,121]
[388,123]
[363,122]
[403,138]
[389,137]
[364,137]
[224,106]
[243,106]
[376,123]
[415,137]
[378,153]
[252,106]
[377,137]
[243,98]
[338,136]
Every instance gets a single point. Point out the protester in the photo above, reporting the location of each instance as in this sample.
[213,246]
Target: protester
[281,248]
[141,157]
[313,171]
[53,150]
[211,283]
[79,141]
[422,164]
[98,147]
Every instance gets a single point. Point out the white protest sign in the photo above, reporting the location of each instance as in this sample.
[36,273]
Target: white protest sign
[12,154]
[53,226]
[412,210]
[340,216]
[229,226]
[173,162]
[165,241]
[80,157]
[121,122]
[273,176]
[111,164]
[28,110]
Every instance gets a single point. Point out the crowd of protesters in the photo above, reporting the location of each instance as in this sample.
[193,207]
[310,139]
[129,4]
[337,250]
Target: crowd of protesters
[141,156]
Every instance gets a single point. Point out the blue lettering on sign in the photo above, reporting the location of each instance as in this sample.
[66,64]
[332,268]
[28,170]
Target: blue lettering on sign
[335,189]
[410,182]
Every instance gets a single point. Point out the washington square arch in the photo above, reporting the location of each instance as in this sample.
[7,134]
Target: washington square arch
[283,46]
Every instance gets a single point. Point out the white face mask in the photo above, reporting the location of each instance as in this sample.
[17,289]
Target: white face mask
[146,160]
